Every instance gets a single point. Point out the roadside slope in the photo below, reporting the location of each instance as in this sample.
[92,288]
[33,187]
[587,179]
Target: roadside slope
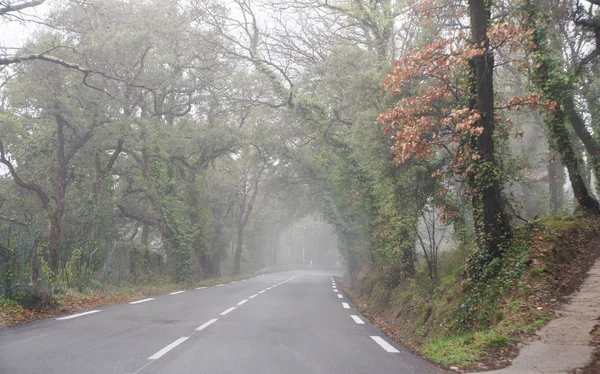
[450,324]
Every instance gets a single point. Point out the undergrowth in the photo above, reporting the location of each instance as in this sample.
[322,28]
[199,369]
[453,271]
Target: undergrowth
[457,321]
[72,300]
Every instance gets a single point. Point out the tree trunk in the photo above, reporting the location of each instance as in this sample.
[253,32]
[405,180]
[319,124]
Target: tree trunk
[238,249]
[57,217]
[490,219]
[548,78]
[555,181]
[584,135]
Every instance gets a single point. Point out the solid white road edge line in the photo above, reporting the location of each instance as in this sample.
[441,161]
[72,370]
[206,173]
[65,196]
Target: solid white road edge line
[176,292]
[357,319]
[340,296]
[141,301]
[166,349]
[242,302]
[202,327]
[346,306]
[228,310]
[200,288]
[78,315]
[385,345]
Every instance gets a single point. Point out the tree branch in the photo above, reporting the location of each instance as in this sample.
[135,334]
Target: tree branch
[34,187]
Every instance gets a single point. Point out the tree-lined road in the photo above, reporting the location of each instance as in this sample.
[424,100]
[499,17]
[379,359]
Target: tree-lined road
[292,322]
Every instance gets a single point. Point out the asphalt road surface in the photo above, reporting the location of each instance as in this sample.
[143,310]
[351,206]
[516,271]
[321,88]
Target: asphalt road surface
[291,322]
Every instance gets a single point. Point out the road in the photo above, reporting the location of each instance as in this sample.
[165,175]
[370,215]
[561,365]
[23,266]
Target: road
[291,322]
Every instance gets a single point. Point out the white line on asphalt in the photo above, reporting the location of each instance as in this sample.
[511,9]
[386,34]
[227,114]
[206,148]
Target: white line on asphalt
[200,288]
[268,288]
[253,296]
[263,291]
[346,306]
[340,296]
[357,319]
[242,302]
[336,290]
[385,345]
[202,327]
[176,292]
[78,315]
[233,282]
[228,310]
[166,349]
[141,301]
[219,285]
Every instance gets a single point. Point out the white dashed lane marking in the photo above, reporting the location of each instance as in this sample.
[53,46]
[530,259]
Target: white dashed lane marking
[357,319]
[242,302]
[228,310]
[385,345]
[202,327]
[253,296]
[78,315]
[176,292]
[141,301]
[339,295]
[346,306]
[166,349]
[200,288]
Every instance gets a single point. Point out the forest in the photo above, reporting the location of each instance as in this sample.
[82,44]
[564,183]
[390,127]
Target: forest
[420,143]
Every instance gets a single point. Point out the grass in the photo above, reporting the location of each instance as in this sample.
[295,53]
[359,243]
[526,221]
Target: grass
[463,350]
[72,301]
[522,297]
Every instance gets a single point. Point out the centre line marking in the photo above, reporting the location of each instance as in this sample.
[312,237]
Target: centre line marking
[340,296]
[200,288]
[176,292]
[242,302]
[228,310]
[253,296]
[263,291]
[357,319]
[346,306]
[141,301]
[202,327]
[385,345]
[166,349]
[77,315]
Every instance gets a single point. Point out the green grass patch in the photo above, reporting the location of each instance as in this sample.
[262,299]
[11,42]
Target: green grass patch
[463,350]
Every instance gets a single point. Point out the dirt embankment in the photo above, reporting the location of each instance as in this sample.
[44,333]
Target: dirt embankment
[558,255]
